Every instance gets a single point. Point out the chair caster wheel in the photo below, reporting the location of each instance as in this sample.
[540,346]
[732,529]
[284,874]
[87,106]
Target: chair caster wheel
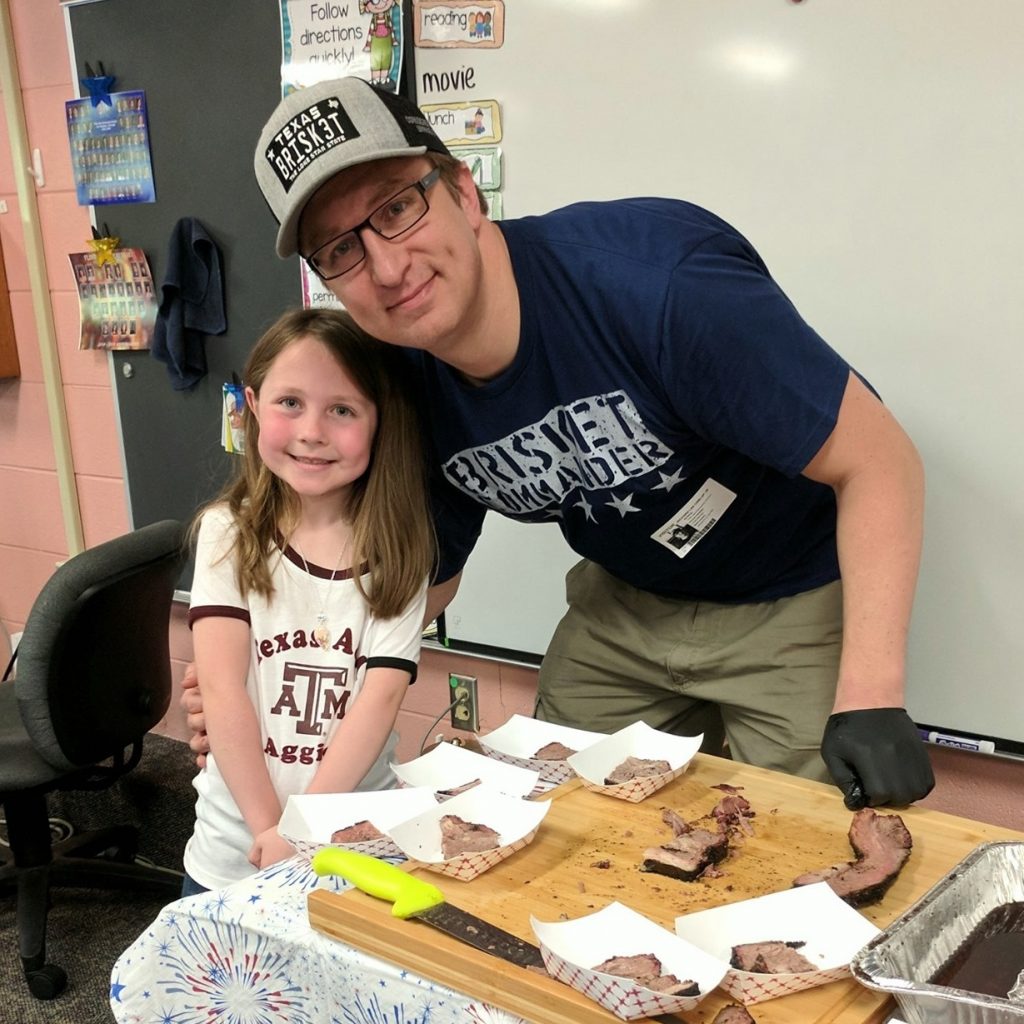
[48,982]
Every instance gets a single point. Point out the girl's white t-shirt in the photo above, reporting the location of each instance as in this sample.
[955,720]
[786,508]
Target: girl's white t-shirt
[300,690]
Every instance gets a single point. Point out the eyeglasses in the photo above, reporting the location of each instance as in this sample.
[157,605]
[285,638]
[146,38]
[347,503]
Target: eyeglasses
[402,211]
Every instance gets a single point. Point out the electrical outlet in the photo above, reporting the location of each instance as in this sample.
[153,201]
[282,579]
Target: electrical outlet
[464,713]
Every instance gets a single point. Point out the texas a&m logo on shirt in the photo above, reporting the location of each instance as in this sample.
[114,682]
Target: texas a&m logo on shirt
[312,695]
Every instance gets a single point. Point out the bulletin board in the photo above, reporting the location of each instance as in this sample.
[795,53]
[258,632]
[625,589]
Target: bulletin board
[211,73]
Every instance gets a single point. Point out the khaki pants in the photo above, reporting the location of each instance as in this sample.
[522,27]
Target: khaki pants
[762,676]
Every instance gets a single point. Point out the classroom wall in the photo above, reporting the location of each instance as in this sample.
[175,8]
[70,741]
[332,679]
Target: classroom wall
[31,531]
[32,536]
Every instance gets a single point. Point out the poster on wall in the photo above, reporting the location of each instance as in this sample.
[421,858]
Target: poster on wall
[233,426]
[110,157]
[315,293]
[334,38]
[116,299]
[462,24]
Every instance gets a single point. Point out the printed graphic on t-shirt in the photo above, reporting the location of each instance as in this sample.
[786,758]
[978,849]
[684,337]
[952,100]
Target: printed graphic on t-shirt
[304,705]
[308,135]
[692,522]
[311,697]
[594,443]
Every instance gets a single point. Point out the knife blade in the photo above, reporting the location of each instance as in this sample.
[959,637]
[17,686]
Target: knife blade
[413,898]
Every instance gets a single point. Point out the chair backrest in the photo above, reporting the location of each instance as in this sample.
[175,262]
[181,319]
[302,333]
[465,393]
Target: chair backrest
[94,672]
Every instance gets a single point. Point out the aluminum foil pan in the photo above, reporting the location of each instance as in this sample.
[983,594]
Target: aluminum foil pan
[902,958]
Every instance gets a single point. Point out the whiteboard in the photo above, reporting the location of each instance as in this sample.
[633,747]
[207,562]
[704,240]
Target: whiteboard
[873,152]
[512,592]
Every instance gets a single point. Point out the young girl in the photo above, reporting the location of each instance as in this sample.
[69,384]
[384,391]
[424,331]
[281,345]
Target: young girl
[309,589]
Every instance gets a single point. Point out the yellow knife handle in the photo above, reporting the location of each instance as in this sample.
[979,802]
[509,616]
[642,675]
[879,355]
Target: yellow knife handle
[408,895]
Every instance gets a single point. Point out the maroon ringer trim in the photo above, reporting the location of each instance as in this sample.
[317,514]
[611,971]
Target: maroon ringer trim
[218,611]
[401,663]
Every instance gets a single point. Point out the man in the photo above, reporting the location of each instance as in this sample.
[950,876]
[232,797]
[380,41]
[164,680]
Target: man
[631,370]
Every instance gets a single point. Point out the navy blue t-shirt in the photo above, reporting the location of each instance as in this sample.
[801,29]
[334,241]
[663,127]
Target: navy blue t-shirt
[663,401]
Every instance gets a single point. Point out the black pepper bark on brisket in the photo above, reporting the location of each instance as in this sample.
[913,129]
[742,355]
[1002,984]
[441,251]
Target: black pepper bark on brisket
[360,832]
[770,958]
[458,837]
[636,768]
[694,851]
[688,855]
[554,751]
[646,970]
[456,790]
[882,844]
[733,1014]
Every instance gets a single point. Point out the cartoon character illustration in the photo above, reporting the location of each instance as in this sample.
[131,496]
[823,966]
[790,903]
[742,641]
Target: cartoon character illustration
[476,126]
[381,39]
[234,402]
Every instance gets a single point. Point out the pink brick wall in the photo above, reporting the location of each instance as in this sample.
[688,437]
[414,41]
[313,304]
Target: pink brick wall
[32,536]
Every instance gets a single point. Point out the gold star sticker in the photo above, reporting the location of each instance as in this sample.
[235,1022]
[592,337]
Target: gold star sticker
[104,249]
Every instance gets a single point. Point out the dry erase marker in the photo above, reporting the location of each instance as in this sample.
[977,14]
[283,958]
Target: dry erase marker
[945,739]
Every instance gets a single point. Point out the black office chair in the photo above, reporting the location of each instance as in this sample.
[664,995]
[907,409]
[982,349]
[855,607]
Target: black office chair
[93,676]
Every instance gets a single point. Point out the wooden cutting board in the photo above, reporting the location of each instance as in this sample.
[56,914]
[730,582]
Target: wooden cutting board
[799,826]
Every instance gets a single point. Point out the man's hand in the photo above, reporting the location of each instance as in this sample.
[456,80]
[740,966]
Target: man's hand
[192,703]
[269,848]
[876,756]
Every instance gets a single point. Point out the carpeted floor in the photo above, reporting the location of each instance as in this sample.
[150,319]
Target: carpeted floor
[88,930]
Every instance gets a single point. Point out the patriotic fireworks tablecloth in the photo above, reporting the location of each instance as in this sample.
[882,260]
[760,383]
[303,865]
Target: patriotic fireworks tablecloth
[247,955]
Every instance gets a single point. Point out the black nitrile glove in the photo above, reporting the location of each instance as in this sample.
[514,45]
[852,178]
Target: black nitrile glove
[876,756]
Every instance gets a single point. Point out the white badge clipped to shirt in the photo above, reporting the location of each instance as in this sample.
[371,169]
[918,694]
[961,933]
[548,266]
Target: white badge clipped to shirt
[692,522]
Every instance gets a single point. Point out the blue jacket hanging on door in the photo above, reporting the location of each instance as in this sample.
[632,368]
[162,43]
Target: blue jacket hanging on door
[191,304]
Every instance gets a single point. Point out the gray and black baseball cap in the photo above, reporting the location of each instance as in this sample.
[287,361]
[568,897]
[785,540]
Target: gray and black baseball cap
[318,131]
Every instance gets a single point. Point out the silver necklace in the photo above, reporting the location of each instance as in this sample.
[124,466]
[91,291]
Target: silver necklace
[322,631]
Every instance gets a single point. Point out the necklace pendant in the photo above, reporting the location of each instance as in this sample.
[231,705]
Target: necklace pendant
[321,634]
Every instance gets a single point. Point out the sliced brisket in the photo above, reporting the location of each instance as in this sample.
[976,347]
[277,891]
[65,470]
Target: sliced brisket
[770,958]
[733,1014]
[733,814]
[456,790]
[554,751]
[670,985]
[645,969]
[688,855]
[636,768]
[458,837]
[675,821]
[882,845]
[642,964]
[360,832]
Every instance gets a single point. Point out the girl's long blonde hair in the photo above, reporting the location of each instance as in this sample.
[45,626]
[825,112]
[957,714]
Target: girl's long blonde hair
[388,506]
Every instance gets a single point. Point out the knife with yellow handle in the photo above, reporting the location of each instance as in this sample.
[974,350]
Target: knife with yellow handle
[413,898]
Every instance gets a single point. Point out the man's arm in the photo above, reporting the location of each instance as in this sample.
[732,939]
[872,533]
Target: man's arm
[877,476]
[875,756]
[191,702]
[439,596]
